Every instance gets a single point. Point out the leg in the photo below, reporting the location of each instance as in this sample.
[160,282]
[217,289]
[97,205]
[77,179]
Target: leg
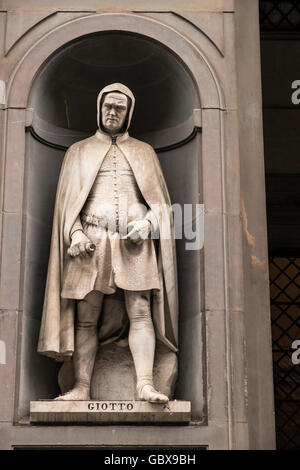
[86,345]
[142,344]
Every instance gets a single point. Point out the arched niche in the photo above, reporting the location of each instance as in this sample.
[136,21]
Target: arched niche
[63,102]
[176,140]
[65,90]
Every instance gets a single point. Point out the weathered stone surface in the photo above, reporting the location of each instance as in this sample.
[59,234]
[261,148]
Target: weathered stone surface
[209,23]
[14,161]
[214,268]
[109,411]
[8,344]
[114,375]
[10,262]
[138,5]
[19,22]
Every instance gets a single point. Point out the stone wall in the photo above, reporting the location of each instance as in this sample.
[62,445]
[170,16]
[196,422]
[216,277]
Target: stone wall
[228,358]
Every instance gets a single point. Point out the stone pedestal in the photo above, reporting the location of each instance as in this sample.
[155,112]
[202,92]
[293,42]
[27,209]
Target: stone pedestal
[107,412]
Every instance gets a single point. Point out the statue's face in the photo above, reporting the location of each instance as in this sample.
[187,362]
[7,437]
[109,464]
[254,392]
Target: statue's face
[113,111]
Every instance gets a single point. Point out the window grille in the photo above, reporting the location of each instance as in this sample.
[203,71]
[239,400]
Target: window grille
[279,15]
[285,316]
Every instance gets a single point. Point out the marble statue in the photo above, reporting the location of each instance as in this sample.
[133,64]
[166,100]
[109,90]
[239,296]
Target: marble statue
[112,229]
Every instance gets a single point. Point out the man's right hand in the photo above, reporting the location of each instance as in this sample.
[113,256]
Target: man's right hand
[80,245]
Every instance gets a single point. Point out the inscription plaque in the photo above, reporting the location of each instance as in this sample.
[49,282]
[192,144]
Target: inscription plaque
[122,411]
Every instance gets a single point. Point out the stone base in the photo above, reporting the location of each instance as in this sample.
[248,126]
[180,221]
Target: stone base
[107,412]
[114,374]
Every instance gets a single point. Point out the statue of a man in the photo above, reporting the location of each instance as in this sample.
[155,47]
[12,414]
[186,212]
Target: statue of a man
[111,204]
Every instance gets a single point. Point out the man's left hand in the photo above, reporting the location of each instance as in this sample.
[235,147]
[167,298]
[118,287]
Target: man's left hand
[138,231]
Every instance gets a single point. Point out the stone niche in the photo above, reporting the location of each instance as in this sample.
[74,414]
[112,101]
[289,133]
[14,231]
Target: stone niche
[63,105]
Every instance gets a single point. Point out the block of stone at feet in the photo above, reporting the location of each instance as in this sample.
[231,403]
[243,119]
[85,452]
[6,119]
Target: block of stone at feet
[114,376]
[105,412]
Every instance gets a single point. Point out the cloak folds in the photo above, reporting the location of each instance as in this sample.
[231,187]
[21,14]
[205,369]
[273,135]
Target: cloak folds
[79,170]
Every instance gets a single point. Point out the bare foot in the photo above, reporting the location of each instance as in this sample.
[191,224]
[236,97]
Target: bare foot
[77,393]
[148,393]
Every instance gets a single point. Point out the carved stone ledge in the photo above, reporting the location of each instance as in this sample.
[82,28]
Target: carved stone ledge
[108,412]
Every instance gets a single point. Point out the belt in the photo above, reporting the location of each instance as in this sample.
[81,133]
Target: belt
[97,221]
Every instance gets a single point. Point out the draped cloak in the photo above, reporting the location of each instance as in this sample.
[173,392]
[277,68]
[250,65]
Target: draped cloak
[79,170]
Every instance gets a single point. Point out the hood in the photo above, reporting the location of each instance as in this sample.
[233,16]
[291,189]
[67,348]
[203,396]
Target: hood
[121,89]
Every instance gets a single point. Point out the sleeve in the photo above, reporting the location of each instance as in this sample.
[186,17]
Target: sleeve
[151,217]
[76,226]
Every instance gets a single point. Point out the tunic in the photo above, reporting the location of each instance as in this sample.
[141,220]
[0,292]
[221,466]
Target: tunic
[114,201]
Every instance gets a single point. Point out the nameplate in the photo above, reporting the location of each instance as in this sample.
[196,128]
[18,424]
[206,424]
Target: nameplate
[122,411]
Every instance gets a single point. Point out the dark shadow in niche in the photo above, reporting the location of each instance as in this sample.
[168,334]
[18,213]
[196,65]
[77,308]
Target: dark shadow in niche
[63,98]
